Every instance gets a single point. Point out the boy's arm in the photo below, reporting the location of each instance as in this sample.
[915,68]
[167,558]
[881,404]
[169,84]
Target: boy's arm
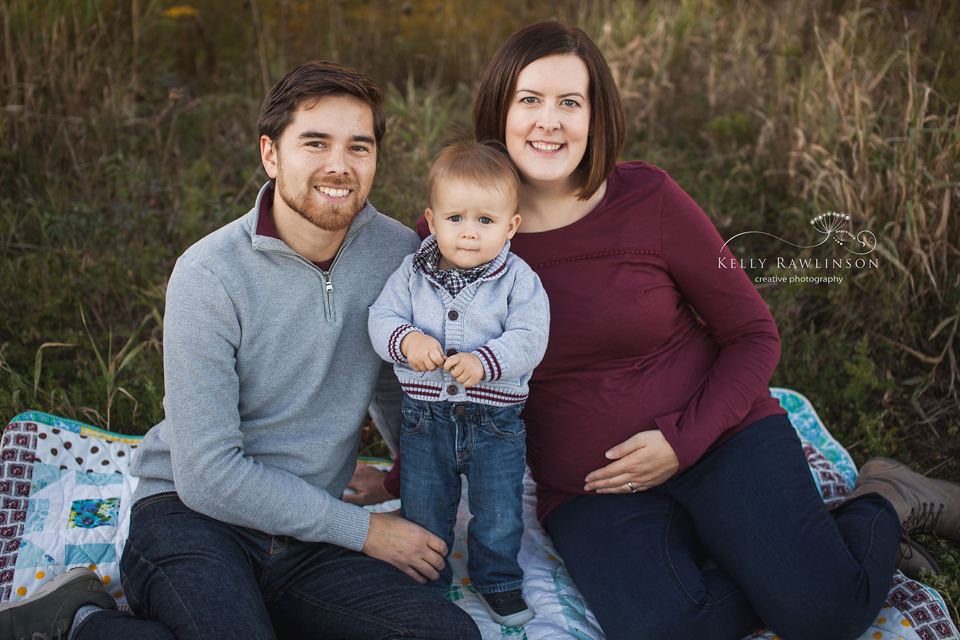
[524,340]
[391,316]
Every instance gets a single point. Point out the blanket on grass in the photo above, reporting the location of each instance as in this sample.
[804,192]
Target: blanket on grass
[65,498]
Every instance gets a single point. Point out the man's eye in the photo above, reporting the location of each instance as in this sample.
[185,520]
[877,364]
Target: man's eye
[455,218]
[485,220]
[361,149]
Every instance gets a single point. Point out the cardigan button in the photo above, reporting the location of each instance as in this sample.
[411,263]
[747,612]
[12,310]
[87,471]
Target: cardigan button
[453,315]
[452,390]
[451,352]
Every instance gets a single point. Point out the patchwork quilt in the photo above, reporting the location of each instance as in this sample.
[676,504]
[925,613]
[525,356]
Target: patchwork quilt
[65,497]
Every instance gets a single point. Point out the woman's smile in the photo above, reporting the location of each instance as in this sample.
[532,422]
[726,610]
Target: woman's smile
[548,122]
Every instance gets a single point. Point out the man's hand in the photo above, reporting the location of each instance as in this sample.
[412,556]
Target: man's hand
[408,547]
[423,352]
[367,481]
[646,460]
[466,368]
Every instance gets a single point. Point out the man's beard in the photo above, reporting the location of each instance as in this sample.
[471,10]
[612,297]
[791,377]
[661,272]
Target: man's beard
[329,217]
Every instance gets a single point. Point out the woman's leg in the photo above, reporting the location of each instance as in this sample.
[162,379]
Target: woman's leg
[809,573]
[637,560]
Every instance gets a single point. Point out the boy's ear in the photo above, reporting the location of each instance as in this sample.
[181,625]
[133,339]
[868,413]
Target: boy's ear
[268,155]
[514,224]
[428,214]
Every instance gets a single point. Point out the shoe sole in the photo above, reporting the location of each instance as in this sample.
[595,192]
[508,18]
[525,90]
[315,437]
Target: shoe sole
[512,620]
[77,574]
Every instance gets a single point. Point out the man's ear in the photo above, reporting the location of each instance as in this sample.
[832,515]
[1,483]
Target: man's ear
[514,224]
[428,214]
[268,155]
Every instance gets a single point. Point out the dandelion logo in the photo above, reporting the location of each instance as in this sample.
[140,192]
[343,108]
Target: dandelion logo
[832,225]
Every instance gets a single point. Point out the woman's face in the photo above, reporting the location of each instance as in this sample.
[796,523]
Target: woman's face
[548,120]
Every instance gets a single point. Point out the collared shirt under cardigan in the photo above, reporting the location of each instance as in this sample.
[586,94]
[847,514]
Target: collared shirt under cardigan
[503,318]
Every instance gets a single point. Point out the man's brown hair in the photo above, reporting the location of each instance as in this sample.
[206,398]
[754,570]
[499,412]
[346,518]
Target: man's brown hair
[485,164]
[607,117]
[310,82]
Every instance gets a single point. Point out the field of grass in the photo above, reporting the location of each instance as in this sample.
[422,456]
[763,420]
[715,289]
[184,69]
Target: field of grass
[128,131]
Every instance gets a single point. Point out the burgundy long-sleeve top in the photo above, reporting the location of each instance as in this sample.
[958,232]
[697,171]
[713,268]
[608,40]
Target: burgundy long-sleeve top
[627,352]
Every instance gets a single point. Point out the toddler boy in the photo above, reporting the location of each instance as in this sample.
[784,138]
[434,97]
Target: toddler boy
[465,322]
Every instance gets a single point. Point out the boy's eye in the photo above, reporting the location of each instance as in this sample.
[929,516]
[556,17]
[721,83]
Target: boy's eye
[455,218]
[485,220]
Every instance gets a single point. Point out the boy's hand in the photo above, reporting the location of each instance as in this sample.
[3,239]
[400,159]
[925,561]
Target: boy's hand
[466,368]
[423,352]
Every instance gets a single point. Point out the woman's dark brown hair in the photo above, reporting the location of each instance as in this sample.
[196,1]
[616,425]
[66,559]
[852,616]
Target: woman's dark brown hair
[607,118]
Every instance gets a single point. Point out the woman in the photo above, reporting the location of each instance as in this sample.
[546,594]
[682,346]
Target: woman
[672,484]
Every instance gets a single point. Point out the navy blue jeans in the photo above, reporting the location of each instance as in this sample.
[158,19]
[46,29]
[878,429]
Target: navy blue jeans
[738,541]
[189,576]
[441,440]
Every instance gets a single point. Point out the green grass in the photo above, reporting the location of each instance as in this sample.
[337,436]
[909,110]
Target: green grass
[128,132]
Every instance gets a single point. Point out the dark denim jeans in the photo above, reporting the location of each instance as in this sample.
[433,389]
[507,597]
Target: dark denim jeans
[189,576]
[738,541]
[441,440]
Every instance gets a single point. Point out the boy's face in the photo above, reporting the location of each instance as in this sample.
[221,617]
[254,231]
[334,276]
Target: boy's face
[471,222]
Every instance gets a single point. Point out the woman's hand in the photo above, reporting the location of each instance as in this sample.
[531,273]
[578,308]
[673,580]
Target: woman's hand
[646,460]
[367,481]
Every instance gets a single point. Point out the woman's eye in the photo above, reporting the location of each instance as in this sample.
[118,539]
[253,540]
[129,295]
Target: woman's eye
[485,220]
[528,100]
[570,103]
[455,218]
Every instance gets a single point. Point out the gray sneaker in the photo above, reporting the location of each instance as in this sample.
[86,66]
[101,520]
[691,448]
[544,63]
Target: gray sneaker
[49,612]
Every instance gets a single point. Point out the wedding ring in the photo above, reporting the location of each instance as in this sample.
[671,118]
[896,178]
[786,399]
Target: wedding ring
[632,488]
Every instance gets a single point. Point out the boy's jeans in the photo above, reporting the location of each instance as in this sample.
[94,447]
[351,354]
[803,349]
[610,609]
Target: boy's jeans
[441,440]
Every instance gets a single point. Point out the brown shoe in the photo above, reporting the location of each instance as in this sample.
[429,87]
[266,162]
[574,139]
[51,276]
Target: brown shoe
[923,504]
[911,558]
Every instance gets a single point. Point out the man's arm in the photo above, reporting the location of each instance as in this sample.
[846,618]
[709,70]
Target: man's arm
[211,471]
[385,407]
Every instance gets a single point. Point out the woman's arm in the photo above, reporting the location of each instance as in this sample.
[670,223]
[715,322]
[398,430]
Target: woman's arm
[741,326]
[734,313]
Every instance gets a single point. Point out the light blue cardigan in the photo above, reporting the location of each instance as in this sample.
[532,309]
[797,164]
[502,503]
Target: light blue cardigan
[503,318]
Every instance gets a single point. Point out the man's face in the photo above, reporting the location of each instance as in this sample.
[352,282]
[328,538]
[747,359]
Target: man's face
[324,161]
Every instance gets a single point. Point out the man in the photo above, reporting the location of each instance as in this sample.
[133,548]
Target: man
[238,528]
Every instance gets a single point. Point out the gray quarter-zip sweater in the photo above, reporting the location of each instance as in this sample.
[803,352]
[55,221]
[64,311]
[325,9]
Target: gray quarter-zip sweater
[269,370]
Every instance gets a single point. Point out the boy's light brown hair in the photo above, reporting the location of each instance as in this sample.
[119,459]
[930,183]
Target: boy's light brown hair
[486,164]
